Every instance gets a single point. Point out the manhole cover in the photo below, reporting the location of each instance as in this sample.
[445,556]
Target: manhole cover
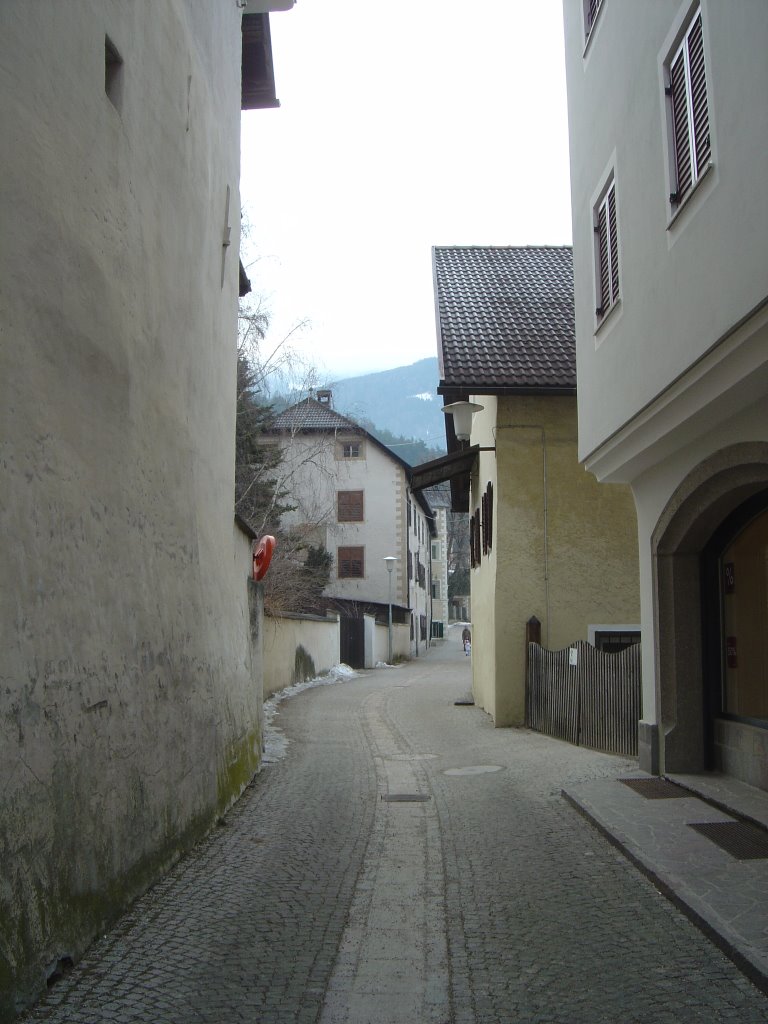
[742,840]
[474,769]
[656,789]
[405,798]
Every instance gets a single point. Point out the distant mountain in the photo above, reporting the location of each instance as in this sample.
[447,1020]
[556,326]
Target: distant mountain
[403,401]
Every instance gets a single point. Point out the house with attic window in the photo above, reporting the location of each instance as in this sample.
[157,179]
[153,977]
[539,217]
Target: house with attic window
[353,495]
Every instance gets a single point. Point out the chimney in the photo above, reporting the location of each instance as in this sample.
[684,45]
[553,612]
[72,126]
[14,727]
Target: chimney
[325,397]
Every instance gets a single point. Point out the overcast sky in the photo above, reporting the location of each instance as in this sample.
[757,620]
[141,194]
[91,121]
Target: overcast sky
[400,127]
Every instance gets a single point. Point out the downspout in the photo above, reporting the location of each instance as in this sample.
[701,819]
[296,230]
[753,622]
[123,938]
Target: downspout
[540,428]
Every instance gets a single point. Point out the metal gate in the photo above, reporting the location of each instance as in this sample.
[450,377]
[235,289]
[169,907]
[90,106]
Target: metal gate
[352,642]
[588,698]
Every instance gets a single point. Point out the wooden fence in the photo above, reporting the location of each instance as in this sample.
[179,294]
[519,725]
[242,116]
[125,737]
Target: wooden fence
[594,702]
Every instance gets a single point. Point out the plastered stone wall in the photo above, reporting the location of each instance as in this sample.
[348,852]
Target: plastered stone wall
[129,711]
[291,642]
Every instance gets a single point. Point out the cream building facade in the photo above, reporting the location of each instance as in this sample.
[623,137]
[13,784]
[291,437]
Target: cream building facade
[547,541]
[670,229]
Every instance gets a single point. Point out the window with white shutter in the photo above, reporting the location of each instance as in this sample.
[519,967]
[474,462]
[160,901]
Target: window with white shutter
[688,111]
[606,252]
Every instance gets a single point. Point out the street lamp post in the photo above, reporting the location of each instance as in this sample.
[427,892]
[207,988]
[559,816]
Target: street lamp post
[390,562]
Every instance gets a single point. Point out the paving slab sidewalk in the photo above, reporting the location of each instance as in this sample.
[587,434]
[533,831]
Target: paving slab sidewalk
[725,896]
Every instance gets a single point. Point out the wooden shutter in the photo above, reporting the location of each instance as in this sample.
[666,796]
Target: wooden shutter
[591,10]
[702,145]
[484,528]
[350,506]
[690,114]
[602,259]
[351,562]
[613,244]
[681,129]
[474,539]
[607,252]
[489,514]
[257,74]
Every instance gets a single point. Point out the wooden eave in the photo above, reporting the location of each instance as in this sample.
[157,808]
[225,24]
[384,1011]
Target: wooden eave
[455,467]
[257,70]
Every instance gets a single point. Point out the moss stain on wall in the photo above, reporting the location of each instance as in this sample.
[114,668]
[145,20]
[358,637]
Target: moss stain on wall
[304,666]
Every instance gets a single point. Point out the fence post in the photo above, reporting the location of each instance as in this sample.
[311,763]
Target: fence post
[532,633]
[532,636]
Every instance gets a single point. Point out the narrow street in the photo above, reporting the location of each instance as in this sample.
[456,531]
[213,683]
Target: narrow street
[478,896]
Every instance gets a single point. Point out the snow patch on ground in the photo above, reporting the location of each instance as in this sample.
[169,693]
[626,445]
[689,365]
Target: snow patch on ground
[275,740]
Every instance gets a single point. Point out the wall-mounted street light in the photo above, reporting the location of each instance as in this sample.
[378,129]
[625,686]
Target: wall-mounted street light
[462,413]
[389,561]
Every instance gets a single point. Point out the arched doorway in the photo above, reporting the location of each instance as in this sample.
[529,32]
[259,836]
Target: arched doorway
[700,532]
[735,606]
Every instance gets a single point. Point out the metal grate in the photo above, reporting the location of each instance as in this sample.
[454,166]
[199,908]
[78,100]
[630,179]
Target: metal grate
[742,840]
[405,798]
[656,789]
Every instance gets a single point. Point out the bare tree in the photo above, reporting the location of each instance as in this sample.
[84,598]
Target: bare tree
[276,475]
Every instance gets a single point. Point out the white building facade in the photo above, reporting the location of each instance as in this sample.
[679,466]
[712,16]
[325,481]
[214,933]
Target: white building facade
[668,125]
[352,495]
[440,607]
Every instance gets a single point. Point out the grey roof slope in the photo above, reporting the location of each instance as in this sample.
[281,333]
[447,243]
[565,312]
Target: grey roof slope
[505,318]
[310,414]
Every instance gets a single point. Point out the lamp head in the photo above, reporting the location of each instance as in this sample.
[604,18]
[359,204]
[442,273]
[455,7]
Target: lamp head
[462,413]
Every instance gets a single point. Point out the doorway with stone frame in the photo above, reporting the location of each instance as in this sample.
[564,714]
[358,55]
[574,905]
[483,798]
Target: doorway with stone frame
[691,547]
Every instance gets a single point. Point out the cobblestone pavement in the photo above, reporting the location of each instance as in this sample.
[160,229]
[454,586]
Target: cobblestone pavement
[488,899]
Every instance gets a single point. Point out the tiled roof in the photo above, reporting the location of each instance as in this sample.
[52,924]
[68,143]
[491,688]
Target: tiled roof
[505,317]
[313,415]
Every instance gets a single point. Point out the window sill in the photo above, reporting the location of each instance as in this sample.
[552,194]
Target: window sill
[610,315]
[680,207]
[757,723]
